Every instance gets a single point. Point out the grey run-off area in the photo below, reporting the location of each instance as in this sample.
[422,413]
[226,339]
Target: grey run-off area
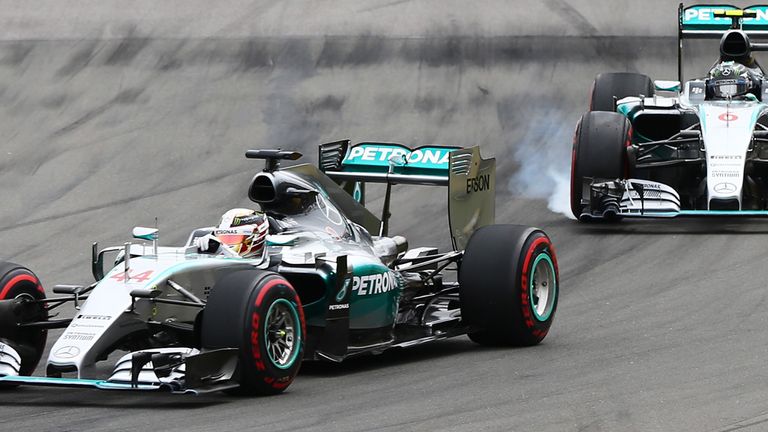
[114,113]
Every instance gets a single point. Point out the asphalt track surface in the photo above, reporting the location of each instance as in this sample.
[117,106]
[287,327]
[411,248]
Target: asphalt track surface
[114,113]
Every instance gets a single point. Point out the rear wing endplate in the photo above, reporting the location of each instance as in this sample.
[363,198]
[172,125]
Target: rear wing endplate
[470,179]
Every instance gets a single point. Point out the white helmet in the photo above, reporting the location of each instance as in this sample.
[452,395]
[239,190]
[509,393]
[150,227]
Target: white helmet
[244,231]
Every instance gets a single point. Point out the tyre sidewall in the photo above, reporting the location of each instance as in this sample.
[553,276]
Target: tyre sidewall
[258,371]
[619,85]
[495,289]
[15,282]
[535,328]
[599,151]
[576,176]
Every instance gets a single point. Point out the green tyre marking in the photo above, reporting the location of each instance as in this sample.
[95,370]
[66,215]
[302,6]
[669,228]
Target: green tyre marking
[297,334]
[551,295]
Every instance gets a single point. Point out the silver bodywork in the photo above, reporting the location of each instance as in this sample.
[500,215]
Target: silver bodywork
[725,138]
[150,301]
[111,313]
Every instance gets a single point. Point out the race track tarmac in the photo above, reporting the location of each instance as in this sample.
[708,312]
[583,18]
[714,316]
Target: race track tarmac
[114,113]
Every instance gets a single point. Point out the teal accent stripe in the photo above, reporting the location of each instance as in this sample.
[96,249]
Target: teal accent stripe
[552,293]
[73,382]
[625,108]
[736,213]
[724,213]
[191,264]
[297,339]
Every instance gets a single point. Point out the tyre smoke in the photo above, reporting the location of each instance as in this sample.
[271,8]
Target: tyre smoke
[542,155]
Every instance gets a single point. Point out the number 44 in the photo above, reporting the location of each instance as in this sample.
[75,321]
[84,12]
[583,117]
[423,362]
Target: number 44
[137,277]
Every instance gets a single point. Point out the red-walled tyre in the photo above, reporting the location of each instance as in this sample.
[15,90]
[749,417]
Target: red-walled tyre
[259,313]
[599,151]
[18,285]
[611,86]
[508,285]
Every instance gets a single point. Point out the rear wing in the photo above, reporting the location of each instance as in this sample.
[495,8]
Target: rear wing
[712,21]
[391,163]
[470,179]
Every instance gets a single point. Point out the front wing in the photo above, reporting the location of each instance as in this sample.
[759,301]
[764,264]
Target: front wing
[610,199]
[172,370]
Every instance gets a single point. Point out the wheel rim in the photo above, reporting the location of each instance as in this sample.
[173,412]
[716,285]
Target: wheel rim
[543,287]
[282,333]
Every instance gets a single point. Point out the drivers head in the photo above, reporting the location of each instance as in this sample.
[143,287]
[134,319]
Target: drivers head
[244,231]
[728,79]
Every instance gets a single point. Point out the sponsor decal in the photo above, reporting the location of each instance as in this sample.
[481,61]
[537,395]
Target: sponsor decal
[725,157]
[479,183]
[725,188]
[343,292]
[725,174]
[225,231]
[338,306]
[255,349]
[703,14]
[706,15]
[67,352]
[652,193]
[330,212]
[726,117]
[357,193]
[374,284]
[94,317]
[78,336]
[247,220]
[238,231]
[379,155]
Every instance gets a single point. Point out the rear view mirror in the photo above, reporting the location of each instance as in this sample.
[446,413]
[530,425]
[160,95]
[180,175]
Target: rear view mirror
[144,233]
[97,259]
[670,86]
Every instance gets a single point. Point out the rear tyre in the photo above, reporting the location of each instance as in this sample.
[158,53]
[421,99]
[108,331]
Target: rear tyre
[619,85]
[508,285]
[599,151]
[19,283]
[259,313]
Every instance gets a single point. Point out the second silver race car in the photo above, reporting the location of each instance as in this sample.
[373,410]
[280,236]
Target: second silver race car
[680,148]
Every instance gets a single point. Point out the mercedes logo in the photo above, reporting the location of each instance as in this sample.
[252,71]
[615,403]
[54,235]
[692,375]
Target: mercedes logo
[67,352]
[724,188]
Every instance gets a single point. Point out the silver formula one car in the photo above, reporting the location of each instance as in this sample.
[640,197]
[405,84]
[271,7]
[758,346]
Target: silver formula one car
[327,283]
[650,149]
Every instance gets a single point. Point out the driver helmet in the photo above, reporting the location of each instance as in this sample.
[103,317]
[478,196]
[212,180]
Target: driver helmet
[244,231]
[729,79]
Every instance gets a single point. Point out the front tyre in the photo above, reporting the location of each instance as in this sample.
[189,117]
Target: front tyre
[599,152]
[612,86]
[259,313]
[19,285]
[508,285]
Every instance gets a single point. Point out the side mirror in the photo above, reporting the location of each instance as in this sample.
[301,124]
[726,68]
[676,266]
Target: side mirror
[669,86]
[144,233]
[97,259]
